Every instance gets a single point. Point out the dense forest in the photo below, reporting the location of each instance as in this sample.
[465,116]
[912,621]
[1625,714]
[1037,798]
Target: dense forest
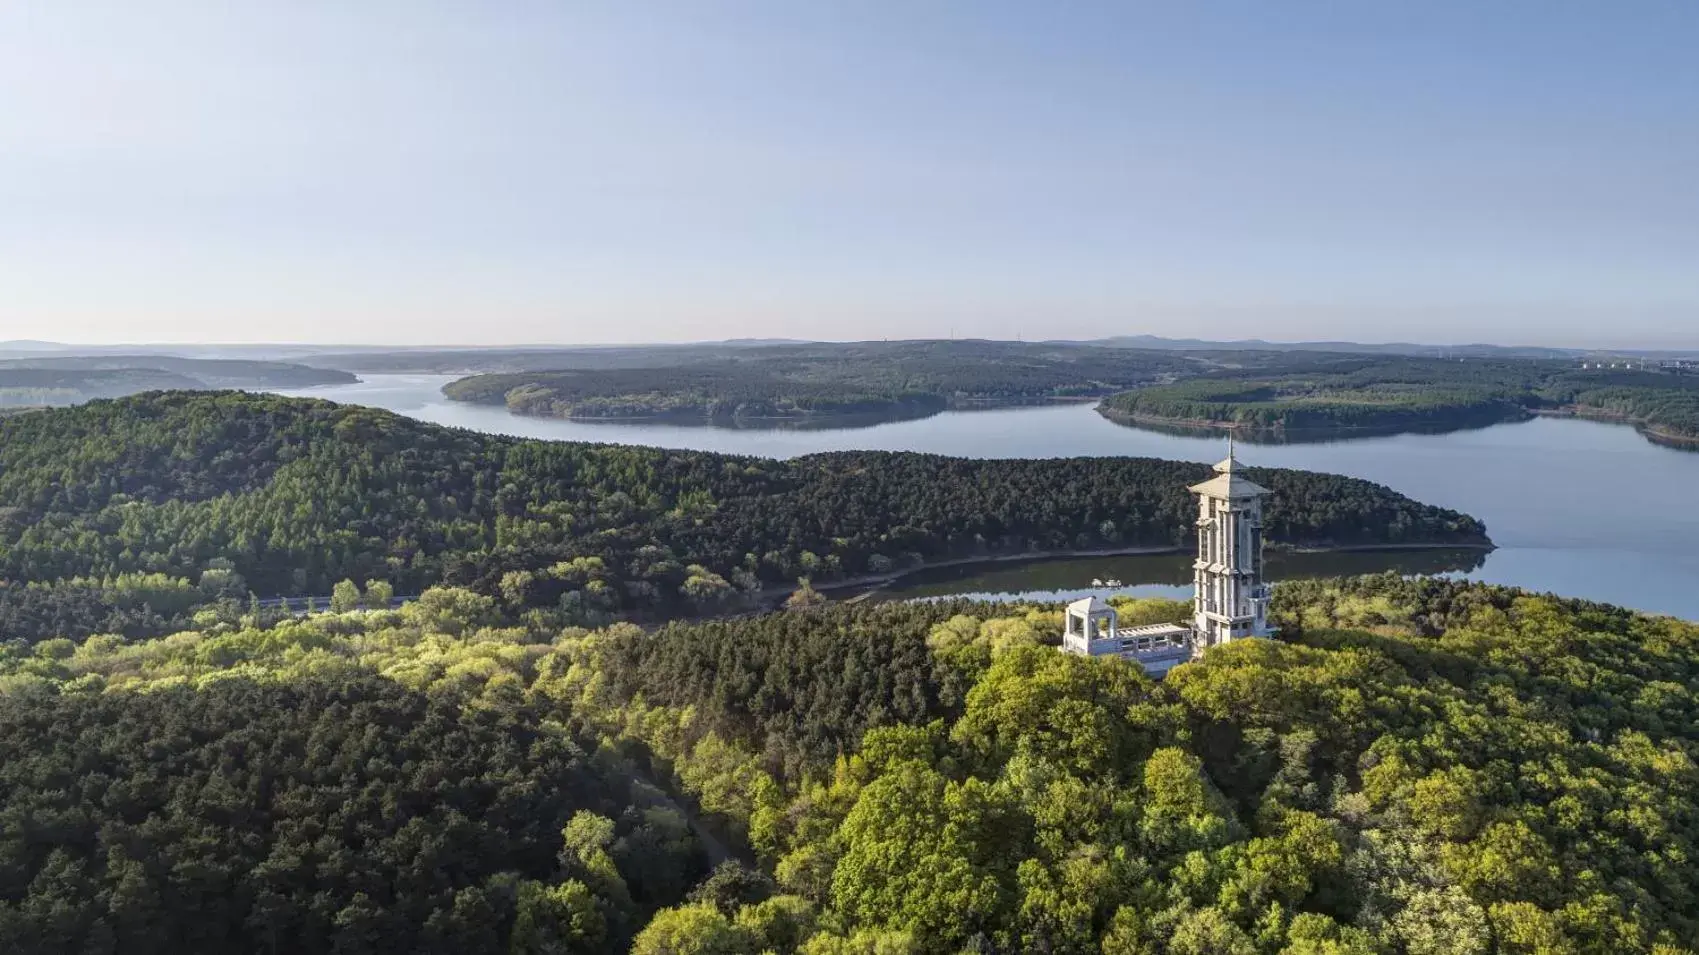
[859,378]
[51,380]
[129,516]
[694,393]
[1416,767]
[1407,394]
[38,387]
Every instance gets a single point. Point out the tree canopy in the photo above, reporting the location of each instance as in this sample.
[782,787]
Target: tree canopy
[1414,766]
[130,515]
[1330,397]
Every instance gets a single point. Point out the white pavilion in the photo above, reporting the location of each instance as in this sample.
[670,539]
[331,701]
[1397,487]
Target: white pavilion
[1230,601]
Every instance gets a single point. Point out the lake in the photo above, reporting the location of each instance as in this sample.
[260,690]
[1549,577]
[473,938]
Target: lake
[1579,508]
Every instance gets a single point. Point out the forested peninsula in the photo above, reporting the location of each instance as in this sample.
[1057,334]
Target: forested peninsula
[1423,767]
[1386,396]
[128,516]
[823,382]
[691,395]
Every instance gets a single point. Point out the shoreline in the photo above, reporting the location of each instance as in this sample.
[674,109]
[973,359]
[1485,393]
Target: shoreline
[1650,432]
[874,582]
[822,420]
[1285,435]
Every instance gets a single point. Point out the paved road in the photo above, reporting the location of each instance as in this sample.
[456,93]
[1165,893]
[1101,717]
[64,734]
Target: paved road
[319,602]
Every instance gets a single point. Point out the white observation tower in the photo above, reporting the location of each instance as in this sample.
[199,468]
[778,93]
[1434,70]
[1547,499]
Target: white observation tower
[1231,600]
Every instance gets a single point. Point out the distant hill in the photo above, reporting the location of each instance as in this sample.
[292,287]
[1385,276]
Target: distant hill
[1353,348]
[66,380]
[467,359]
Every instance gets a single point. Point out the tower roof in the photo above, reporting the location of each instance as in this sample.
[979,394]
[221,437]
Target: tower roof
[1229,483]
[1089,605]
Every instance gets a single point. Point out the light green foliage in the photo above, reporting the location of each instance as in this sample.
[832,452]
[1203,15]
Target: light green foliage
[863,942]
[781,923]
[1059,708]
[345,596]
[1484,772]
[1209,932]
[805,596]
[693,930]
[1181,811]
[1442,922]
[1314,934]
[1139,611]
[920,854]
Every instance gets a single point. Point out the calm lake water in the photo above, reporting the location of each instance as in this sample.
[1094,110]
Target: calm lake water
[1579,508]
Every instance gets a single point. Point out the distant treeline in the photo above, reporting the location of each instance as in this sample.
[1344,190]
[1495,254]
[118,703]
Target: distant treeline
[276,495]
[63,381]
[693,392]
[1413,394]
[897,378]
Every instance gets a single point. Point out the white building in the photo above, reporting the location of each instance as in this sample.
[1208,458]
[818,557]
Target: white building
[1094,630]
[1230,601]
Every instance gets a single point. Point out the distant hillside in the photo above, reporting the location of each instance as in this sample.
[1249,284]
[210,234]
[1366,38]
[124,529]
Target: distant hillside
[450,361]
[820,380]
[1353,348]
[64,380]
[60,386]
[1372,395]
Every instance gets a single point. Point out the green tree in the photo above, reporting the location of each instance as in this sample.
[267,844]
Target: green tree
[345,596]
[557,920]
[804,597]
[379,594]
[699,929]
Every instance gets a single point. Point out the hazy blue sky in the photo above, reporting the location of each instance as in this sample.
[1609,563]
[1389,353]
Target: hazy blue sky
[488,171]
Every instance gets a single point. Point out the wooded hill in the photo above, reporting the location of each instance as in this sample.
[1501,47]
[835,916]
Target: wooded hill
[1358,396]
[51,380]
[1416,767]
[850,378]
[121,516]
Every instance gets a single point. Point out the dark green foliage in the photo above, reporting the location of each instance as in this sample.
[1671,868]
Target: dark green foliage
[800,686]
[686,393]
[1407,394]
[296,495]
[131,604]
[327,814]
[893,379]
[1663,405]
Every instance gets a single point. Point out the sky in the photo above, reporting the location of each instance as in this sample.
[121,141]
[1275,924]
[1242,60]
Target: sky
[507,171]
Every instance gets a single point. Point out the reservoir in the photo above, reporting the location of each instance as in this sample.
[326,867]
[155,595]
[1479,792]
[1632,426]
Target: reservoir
[1579,508]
